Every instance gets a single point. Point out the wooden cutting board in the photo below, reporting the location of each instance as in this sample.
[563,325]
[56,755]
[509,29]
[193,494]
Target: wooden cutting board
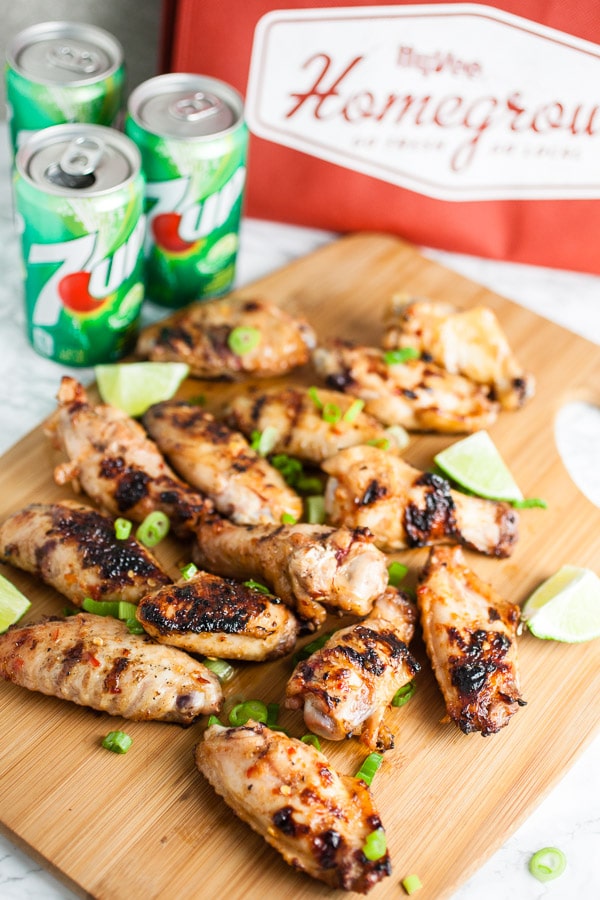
[147,825]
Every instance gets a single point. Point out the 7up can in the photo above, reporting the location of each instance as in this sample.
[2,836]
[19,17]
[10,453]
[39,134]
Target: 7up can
[60,72]
[79,196]
[193,140]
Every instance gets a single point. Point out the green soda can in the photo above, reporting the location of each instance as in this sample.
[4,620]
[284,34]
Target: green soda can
[193,140]
[79,197]
[58,72]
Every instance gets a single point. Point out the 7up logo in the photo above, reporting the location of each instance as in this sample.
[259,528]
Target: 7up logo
[82,283]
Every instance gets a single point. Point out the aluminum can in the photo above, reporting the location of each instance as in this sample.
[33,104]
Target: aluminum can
[193,139]
[79,196]
[59,72]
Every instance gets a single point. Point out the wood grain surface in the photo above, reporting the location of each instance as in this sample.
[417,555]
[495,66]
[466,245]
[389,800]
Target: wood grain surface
[147,825]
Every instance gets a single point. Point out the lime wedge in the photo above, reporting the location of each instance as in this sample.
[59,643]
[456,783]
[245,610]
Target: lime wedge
[13,604]
[565,607]
[134,387]
[476,465]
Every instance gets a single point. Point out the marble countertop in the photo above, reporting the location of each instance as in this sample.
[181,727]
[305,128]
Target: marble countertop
[569,817]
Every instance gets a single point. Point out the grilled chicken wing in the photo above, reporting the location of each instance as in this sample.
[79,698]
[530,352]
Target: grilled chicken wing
[219,617]
[347,686]
[95,661]
[287,792]
[467,342]
[114,462]
[416,394]
[470,635]
[310,567]
[404,507]
[201,336]
[298,423]
[74,549]
[220,463]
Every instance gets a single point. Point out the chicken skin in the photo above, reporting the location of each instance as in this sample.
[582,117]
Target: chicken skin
[116,465]
[221,464]
[403,507]
[312,568]
[230,338]
[219,617]
[470,635]
[74,549]
[296,417]
[466,342]
[287,792]
[346,687]
[416,394]
[95,661]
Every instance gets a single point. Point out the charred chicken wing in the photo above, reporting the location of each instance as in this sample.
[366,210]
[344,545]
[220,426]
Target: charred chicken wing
[95,661]
[287,792]
[74,549]
[404,507]
[470,635]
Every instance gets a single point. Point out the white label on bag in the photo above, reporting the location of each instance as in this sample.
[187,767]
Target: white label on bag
[455,101]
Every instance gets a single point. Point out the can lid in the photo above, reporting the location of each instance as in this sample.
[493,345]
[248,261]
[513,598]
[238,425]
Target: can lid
[86,159]
[185,106]
[65,53]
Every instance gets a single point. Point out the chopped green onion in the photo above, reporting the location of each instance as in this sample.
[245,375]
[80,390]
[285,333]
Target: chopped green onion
[331,413]
[101,607]
[122,528]
[117,741]
[289,467]
[547,864]
[353,410]
[309,484]
[263,442]
[243,339]
[315,510]
[288,519]
[256,586]
[411,884]
[370,765]
[272,714]
[404,694]
[153,529]
[401,355]
[529,503]
[375,845]
[126,610]
[396,573]
[134,627]
[214,720]
[69,611]
[249,709]
[314,396]
[311,739]
[188,571]
[220,667]
[399,436]
[311,647]
[382,443]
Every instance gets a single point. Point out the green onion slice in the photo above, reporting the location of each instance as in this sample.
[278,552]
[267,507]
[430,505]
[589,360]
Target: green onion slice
[331,413]
[311,739]
[289,467]
[249,709]
[122,528]
[382,443]
[369,767]
[288,519]
[399,436]
[315,510]
[401,355]
[117,741]
[221,668]
[153,529]
[101,607]
[411,884]
[547,864]
[256,586]
[133,626]
[309,484]
[314,396]
[243,339]
[263,442]
[396,573]
[353,410]
[375,845]
[272,714]
[214,720]
[529,503]
[404,694]
[188,571]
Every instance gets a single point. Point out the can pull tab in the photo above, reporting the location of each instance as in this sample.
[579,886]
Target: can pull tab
[78,164]
[197,106]
[65,56]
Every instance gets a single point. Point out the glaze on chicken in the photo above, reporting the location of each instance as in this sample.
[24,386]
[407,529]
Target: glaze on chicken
[219,617]
[346,687]
[95,661]
[287,792]
[416,394]
[297,419]
[312,568]
[113,461]
[466,342]
[470,635]
[201,335]
[74,549]
[404,507]
[221,464]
